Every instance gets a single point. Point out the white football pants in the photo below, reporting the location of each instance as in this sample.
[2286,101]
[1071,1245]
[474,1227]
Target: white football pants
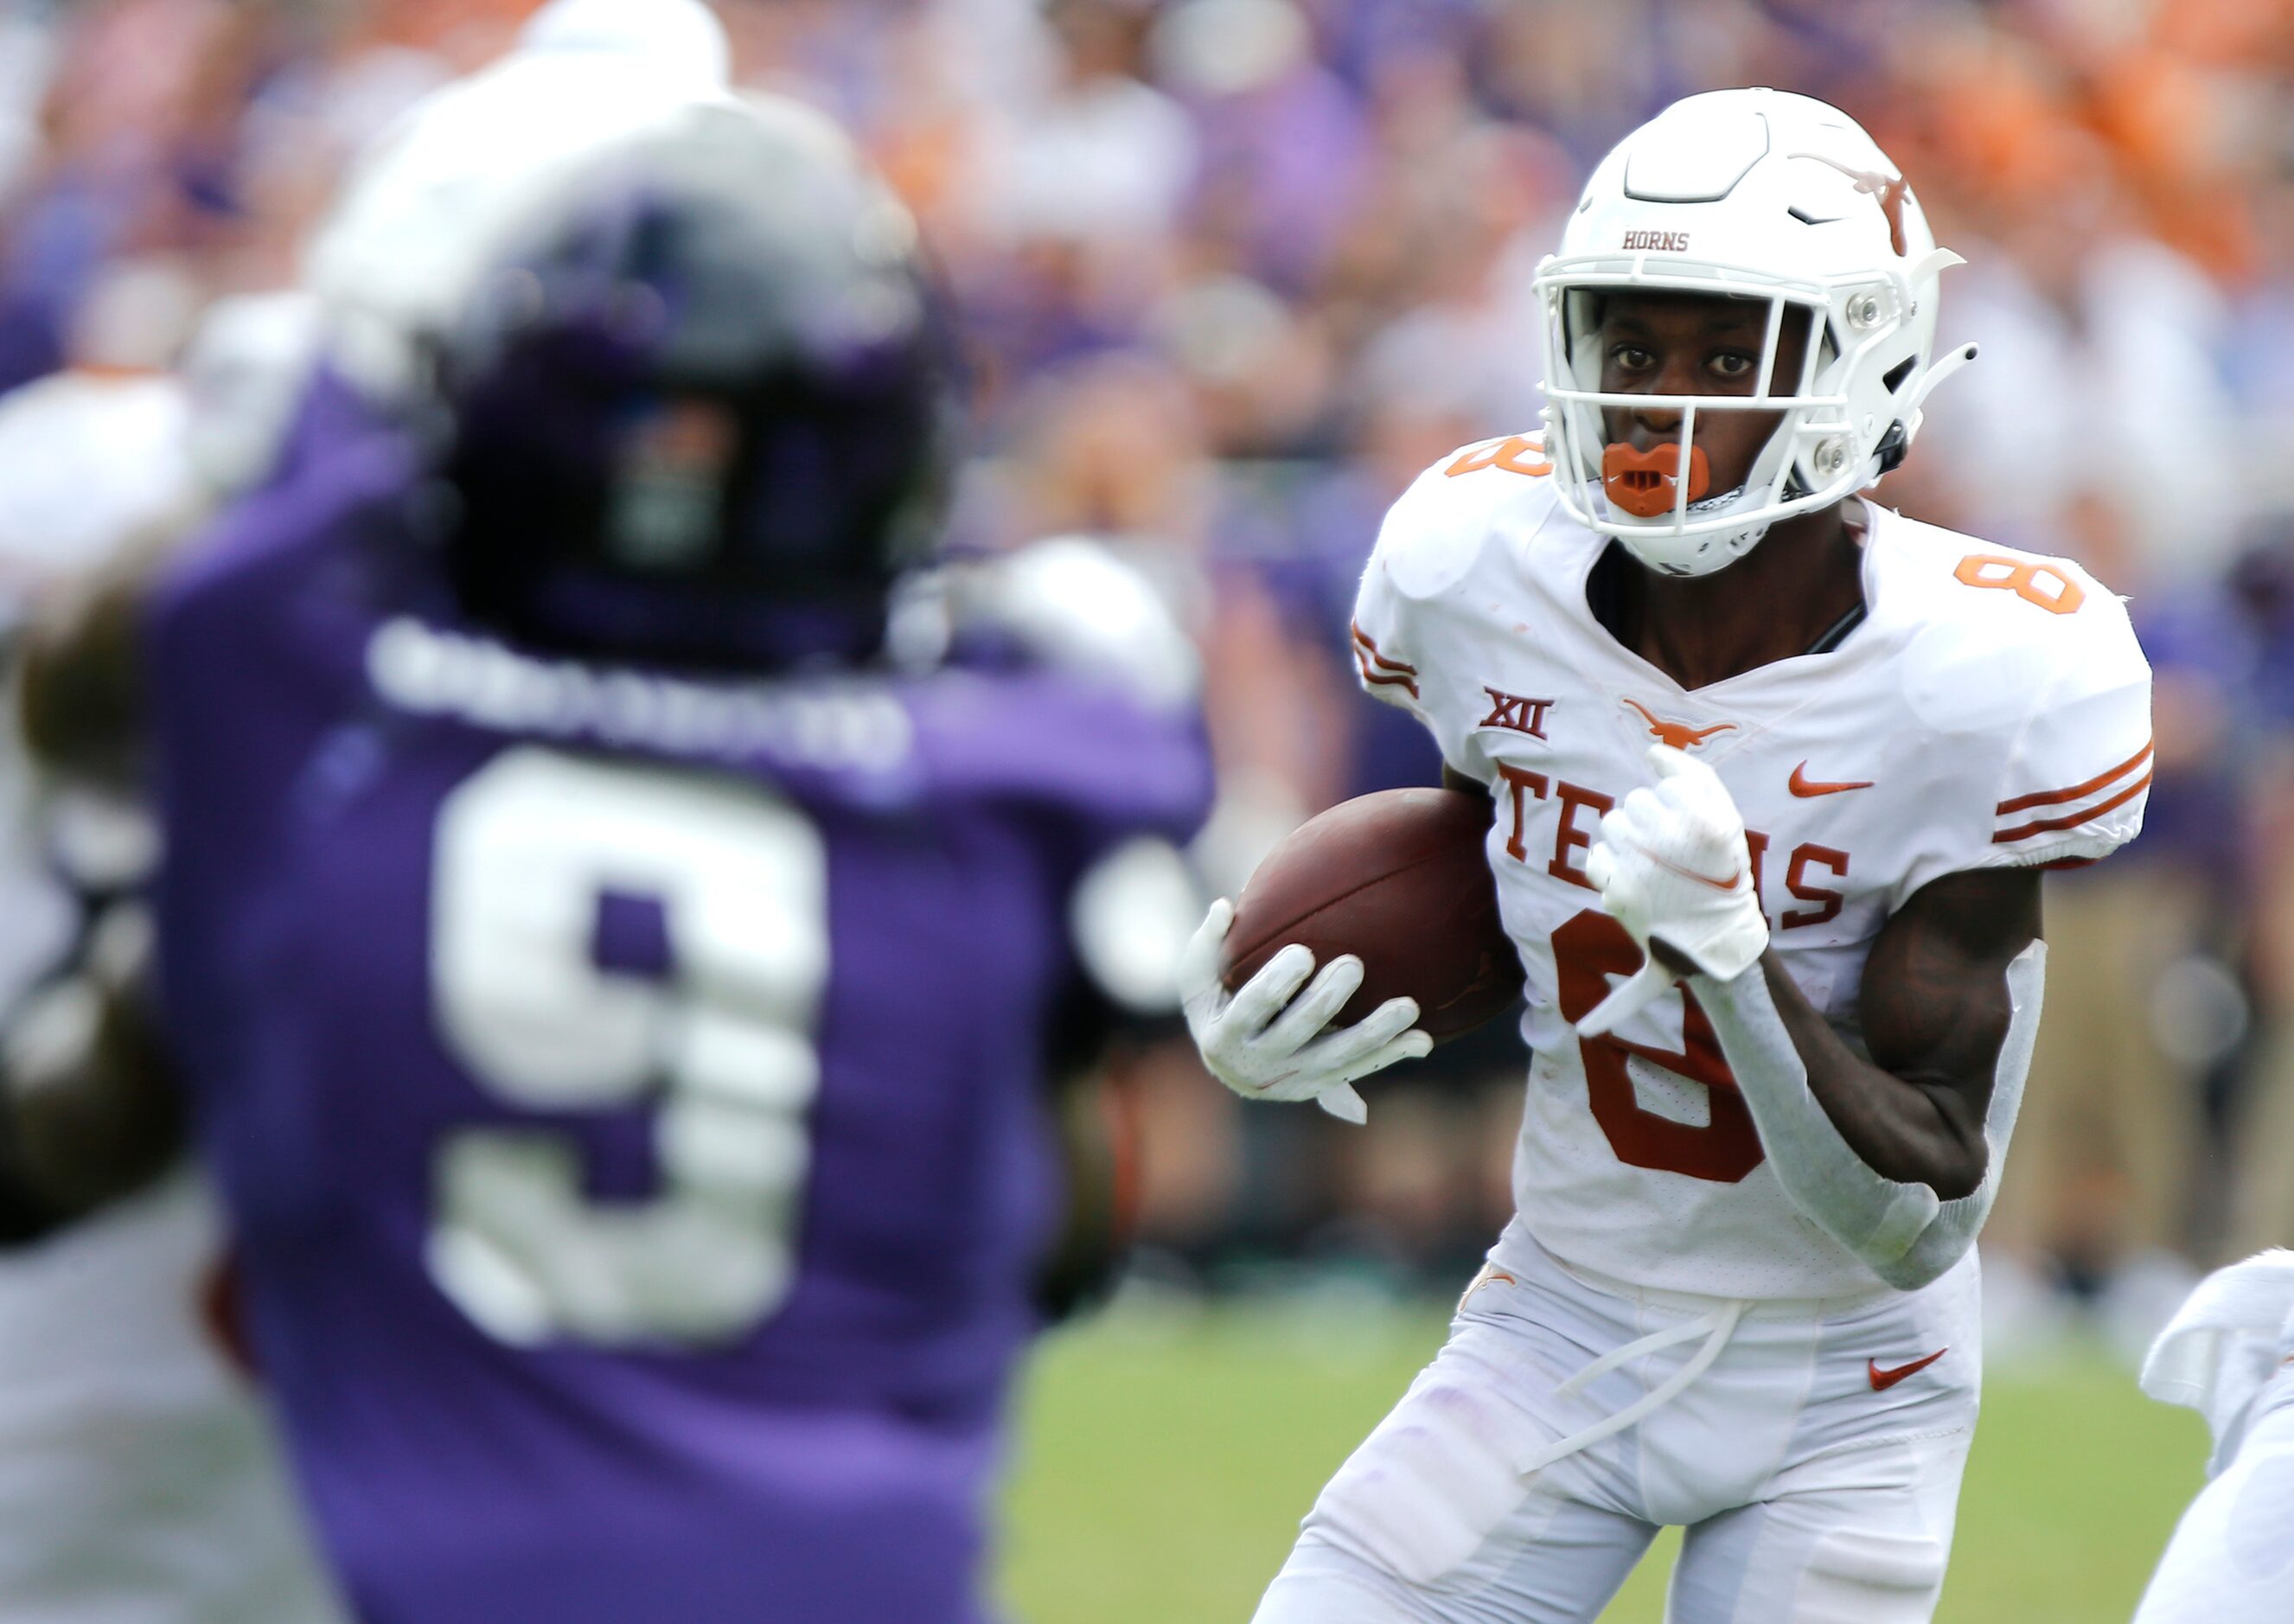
[1812,1449]
[2232,1558]
[140,1482]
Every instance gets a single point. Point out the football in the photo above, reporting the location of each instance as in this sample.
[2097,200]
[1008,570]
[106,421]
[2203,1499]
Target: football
[1399,880]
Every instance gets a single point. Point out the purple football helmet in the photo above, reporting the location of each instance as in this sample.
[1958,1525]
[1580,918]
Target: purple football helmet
[702,416]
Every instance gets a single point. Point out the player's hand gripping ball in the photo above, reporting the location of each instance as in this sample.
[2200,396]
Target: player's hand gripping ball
[1672,866]
[1392,896]
[1266,1042]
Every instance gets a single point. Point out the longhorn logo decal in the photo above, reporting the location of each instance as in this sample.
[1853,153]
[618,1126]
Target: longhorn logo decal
[1889,191]
[1679,735]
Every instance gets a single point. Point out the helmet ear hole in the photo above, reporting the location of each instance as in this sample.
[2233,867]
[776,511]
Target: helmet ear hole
[1894,377]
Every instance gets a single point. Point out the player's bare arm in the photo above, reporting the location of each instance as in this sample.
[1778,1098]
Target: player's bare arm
[1452,778]
[1936,1009]
[1892,1164]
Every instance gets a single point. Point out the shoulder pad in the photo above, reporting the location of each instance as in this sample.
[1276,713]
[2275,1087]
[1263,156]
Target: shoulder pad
[2038,655]
[1072,604]
[2002,631]
[1438,526]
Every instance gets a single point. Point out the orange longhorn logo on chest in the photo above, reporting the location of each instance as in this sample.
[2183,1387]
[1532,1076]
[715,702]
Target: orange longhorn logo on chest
[1679,735]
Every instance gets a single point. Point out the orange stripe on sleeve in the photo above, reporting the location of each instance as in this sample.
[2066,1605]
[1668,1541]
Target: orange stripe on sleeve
[2056,797]
[2046,825]
[1364,647]
[1385,678]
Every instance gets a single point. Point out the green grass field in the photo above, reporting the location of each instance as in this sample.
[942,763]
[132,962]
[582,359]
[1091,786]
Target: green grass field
[1165,1458]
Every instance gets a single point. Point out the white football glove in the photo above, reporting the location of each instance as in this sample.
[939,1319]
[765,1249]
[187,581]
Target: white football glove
[1672,864]
[1263,1050]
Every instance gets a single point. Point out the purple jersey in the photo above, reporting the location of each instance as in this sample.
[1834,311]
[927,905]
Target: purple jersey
[627,1089]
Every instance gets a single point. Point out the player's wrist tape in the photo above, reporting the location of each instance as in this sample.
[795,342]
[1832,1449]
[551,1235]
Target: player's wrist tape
[1903,1232]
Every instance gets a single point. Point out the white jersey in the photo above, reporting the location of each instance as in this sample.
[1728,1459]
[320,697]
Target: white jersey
[1993,709]
[2229,1354]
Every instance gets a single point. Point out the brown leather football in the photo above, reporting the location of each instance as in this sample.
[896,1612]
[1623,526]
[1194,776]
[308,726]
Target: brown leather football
[1399,880]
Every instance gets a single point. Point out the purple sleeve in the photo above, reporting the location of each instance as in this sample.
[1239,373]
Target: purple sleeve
[253,643]
[1094,764]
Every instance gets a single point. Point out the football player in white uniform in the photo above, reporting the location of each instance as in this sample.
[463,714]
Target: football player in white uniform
[2229,1354]
[1774,773]
[138,1478]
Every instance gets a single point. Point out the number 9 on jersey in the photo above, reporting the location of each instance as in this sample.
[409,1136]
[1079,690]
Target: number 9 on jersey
[726,888]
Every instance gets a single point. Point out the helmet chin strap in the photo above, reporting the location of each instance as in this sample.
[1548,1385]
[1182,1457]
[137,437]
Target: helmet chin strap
[1723,550]
[1647,485]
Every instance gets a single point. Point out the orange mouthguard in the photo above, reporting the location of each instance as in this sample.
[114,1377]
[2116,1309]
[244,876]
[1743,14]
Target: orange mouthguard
[1641,482]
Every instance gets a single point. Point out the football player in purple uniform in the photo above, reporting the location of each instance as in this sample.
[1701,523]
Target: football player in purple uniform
[617,973]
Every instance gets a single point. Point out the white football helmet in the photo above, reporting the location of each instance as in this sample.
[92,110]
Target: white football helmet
[1753,195]
[431,203]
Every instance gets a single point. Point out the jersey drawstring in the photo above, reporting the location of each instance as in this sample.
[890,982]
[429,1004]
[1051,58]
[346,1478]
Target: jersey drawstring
[1716,1327]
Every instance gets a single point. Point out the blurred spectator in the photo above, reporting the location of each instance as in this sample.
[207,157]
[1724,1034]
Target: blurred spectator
[2261,1138]
[1285,149]
[1074,196]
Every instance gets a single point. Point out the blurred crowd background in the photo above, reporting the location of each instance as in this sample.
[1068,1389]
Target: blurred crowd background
[1231,272]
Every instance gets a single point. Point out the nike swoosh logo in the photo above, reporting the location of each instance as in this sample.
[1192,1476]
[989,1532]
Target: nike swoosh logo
[1883,1379]
[1702,880]
[1803,786]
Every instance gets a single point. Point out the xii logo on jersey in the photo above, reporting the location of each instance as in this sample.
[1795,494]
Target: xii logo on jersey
[1516,713]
